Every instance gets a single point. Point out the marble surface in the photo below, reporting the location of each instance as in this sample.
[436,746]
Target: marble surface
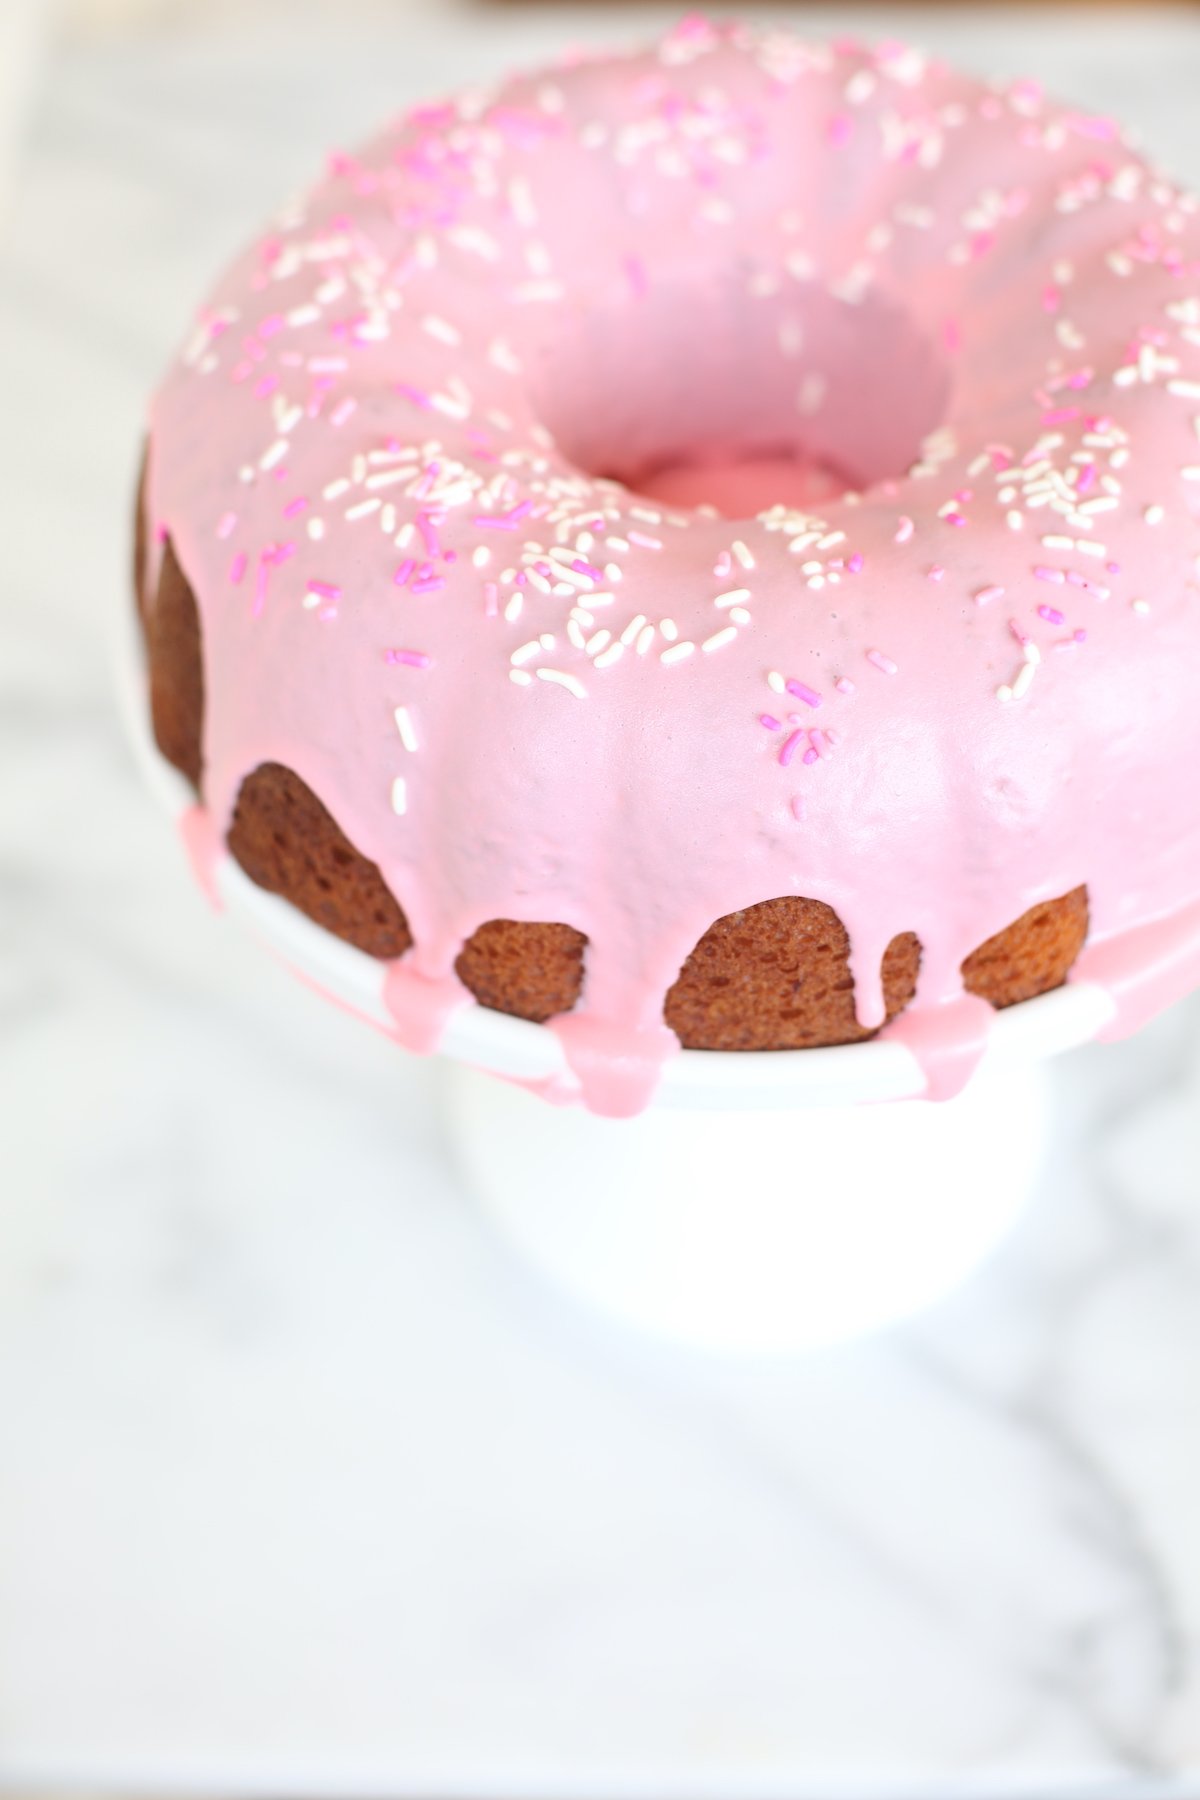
[305,1484]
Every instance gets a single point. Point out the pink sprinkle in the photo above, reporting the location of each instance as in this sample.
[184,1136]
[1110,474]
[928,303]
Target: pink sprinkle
[803,692]
[589,569]
[266,387]
[237,568]
[955,518]
[723,564]
[226,524]
[904,531]
[326,589]
[271,326]
[811,755]
[404,572]
[1051,298]
[987,594]
[770,722]
[509,521]
[790,747]
[1087,478]
[841,128]
[879,661]
[635,271]
[937,573]
[1080,636]
[844,685]
[952,335]
[429,585]
[1060,415]
[1021,636]
[1114,568]
[1045,574]
[798,808]
[428,531]
[1051,615]
[413,659]
[299,505]
[855,564]
[342,411]
[646,543]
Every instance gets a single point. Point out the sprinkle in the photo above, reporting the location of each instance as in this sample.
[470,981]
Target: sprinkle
[226,525]
[325,589]
[1191,472]
[412,659]
[790,747]
[520,677]
[429,585]
[904,530]
[677,652]
[560,678]
[646,543]
[987,594]
[523,653]
[1051,615]
[1185,390]
[844,685]
[404,726]
[747,561]
[937,573]
[879,661]
[237,569]
[803,692]
[399,795]
[798,808]
[734,597]
[719,638]
[646,637]
[770,722]
[1154,515]
[776,683]
[1045,574]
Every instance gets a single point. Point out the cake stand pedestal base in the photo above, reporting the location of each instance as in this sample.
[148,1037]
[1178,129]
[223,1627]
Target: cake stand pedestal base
[761,1231]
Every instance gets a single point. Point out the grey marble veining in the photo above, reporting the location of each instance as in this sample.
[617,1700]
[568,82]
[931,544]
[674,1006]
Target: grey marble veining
[304,1484]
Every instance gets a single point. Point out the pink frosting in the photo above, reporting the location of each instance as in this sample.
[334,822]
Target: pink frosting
[399,460]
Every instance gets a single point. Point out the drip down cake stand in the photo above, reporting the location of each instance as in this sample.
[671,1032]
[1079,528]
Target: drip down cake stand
[765,1201]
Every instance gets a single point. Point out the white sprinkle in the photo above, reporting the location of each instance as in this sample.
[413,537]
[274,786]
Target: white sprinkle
[776,683]
[740,616]
[512,611]
[481,556]
[560,678]
[1191,473]
[1057,542]
[442,330]
[520,677]
[274,455]
[1090,547]
[718,638]
[613,654]
[1186,390]
[524,651]
[905,530]
[669,629]
[632,629]
[733,597]
[598,641]
[1141,606]
[677,652]
[316,529]
[646,638]
[1015,521]
[747,561]
[1154,515]
[404,726]
[399,795]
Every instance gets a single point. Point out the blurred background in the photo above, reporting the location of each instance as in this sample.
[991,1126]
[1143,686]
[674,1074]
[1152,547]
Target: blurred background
[305,1486]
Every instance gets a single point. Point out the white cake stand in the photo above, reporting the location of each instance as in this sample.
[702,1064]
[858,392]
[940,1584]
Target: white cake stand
[766,1201]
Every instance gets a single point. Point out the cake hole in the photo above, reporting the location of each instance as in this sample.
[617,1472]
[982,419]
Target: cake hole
[726,399]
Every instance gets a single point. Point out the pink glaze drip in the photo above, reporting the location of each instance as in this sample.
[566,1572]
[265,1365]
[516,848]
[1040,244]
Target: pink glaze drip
[450,361]
[205,847]
[421,1006]
[1145,969]
[617,1069]
[948,1042]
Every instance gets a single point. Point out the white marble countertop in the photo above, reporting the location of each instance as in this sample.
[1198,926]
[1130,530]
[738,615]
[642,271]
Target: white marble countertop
[305,1486]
